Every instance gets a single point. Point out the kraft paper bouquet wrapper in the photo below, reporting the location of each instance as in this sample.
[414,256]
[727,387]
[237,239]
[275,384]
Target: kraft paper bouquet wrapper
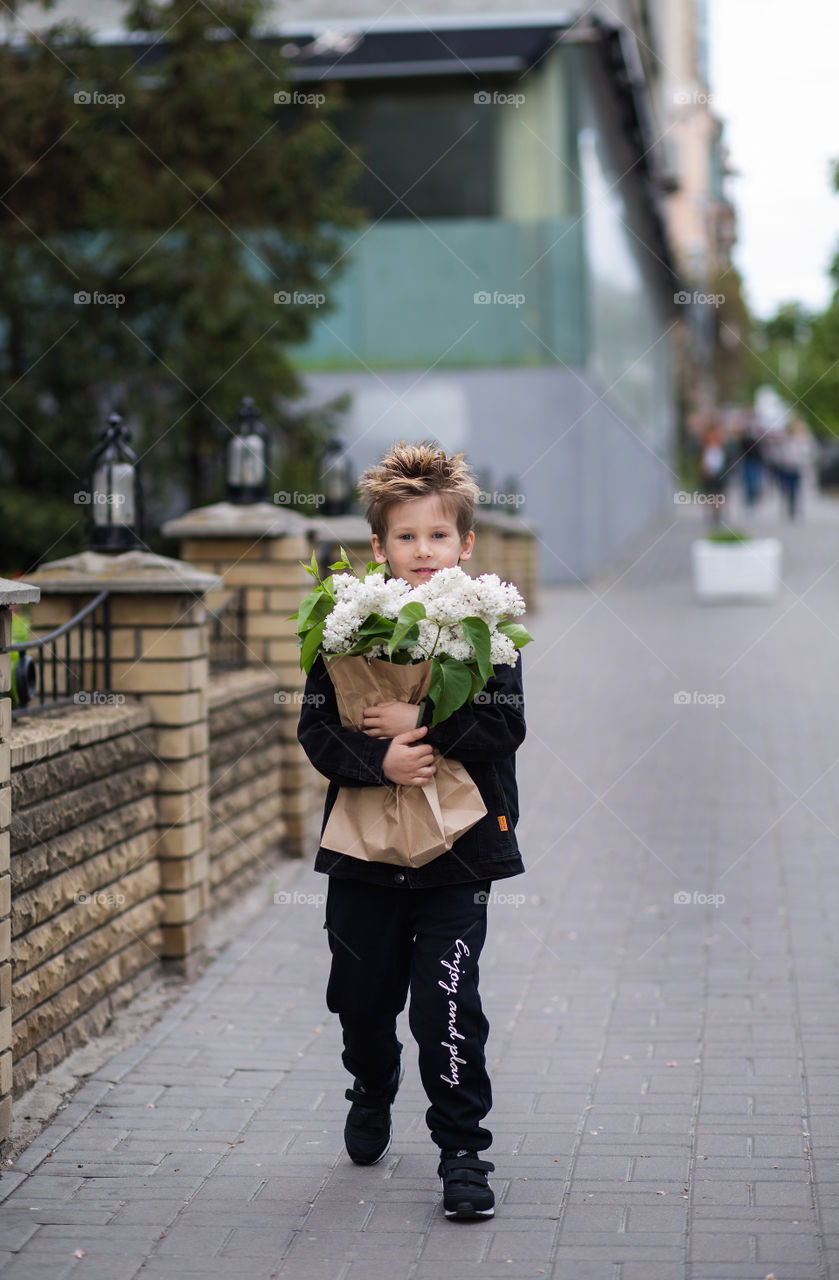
[407,826]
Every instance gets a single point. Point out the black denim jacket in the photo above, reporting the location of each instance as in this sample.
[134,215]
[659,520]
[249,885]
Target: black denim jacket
[484,736]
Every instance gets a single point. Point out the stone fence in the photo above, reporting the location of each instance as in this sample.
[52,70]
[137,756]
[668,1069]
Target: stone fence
[127,817]
[87,909]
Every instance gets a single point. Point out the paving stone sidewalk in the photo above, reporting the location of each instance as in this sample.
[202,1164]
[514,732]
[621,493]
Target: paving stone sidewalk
[662,987]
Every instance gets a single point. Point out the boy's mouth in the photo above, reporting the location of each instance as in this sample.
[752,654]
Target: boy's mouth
[423,573]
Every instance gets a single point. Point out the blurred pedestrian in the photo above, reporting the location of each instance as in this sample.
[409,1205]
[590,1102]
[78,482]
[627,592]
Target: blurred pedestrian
[793,456]
[713,471]
[751,459]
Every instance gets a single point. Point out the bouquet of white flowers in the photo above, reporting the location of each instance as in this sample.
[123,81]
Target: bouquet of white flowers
[461,625]
[382,640]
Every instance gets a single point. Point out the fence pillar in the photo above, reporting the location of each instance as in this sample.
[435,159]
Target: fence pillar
[11,593]
[259,547]
[159,641]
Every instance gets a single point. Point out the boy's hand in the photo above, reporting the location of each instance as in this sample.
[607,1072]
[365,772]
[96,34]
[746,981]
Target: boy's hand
[407,765]
[387,719]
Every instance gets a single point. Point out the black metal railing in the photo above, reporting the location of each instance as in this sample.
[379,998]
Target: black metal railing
[228,649]
[45,677]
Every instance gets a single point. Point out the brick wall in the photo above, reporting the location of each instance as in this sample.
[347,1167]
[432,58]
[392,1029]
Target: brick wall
[88,867]
[86,905]
[245,801]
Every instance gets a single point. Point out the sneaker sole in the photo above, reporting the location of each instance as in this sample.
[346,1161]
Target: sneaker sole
[465,1211]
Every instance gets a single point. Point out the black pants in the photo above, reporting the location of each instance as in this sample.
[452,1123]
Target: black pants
[385,942]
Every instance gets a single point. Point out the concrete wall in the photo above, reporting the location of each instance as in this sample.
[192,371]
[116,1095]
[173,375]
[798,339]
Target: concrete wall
[589,481]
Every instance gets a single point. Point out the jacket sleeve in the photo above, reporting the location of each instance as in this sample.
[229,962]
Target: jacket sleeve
[346,757]
[490,728]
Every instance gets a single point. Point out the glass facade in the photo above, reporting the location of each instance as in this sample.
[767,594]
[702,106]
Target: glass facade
[428,149]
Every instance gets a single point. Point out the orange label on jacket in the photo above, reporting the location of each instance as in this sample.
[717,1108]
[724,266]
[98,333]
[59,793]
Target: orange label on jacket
[502,822]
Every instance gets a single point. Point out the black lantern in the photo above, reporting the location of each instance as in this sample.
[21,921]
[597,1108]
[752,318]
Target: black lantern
[113,494]
[247,457]
[335,479]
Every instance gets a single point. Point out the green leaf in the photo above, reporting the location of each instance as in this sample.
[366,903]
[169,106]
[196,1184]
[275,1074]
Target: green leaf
[478,682]
[407,642]
[312,566]
[310,646]
[374,630]
[373,566]
[364,645]
[376,624]
[477,633]
[343,565]
[308,606]
[313,608]
[406,624]
[451,683]
[515,631]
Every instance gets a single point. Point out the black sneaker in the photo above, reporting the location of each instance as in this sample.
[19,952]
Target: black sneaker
[466,1189]
[368,1131]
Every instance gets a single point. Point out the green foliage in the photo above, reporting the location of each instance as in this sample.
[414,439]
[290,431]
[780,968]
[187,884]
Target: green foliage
[406,632]
[189,205]
[798,352]
[797,355]
[37,526]
[20,633]
[449,687]
[728,535]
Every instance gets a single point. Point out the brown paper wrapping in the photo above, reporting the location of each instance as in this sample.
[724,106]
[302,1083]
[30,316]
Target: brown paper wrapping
[407,826]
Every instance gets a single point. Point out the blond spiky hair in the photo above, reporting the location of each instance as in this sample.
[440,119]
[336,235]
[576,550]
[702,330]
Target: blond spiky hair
[413,471]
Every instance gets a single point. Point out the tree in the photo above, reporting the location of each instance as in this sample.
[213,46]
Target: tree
[732,339]
[203,220]
[800,354]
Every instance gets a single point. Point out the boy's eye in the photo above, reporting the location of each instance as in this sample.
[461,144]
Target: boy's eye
[402,537]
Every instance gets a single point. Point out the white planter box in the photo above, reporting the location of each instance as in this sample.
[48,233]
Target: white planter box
[736,570]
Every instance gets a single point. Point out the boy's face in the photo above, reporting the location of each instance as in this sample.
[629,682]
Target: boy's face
[421,538]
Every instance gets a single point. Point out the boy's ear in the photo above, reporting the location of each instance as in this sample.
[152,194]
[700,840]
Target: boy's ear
[379,553]
[468,544]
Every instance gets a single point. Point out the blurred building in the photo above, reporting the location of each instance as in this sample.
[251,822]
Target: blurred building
[700,218]
[513,291]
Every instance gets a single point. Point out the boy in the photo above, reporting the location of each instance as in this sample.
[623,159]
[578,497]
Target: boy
[394,929]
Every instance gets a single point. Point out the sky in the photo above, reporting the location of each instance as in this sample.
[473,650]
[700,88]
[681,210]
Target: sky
[774,80]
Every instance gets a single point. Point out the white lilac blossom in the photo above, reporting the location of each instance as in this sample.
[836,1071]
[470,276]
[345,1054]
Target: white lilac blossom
[356,599]
[448,597]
